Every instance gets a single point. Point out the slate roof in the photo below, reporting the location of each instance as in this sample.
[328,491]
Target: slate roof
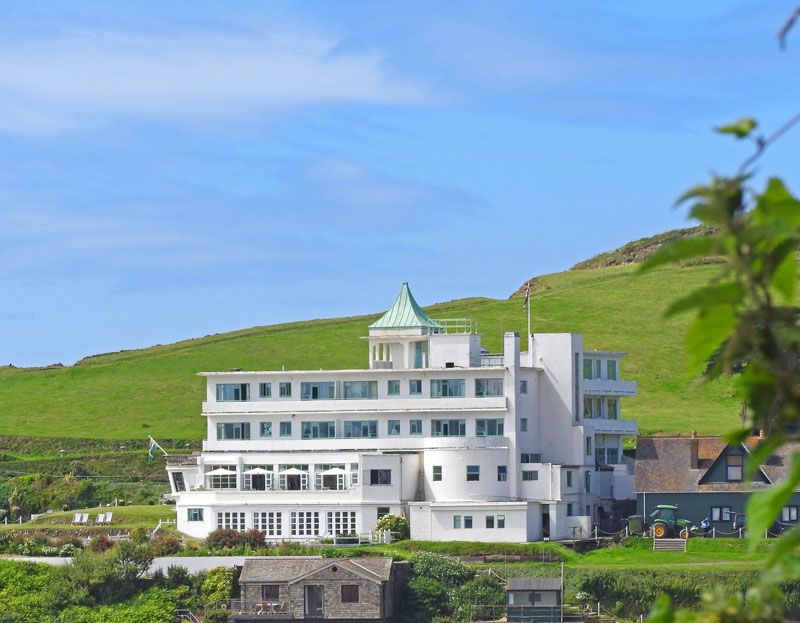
[291,568]
[663,465]
[405,313]
[533,584]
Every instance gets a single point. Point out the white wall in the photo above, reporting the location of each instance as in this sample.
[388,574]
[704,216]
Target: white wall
[454,485]
[440,522]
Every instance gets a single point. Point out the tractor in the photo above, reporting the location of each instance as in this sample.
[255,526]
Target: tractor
[667,524]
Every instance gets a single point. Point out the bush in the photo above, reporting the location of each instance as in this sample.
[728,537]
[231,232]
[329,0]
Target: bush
[224,538]
[449,572]
[218,585]
[427,598]
[484,590]
[217,616]
[254,538]
[396,524]
[166,544]
[101,543]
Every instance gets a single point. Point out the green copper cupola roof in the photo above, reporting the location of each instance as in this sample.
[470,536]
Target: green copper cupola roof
[405,313]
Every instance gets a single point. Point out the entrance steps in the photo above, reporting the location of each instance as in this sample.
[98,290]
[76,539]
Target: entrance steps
[669,545]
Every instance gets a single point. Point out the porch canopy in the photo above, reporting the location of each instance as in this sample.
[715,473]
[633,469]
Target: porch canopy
[293,471]
[335,471]
[221,471]
[258,471]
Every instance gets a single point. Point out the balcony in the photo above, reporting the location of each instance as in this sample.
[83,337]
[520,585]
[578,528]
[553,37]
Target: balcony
[341,444]
[606,387]
[252,610]
[612,427]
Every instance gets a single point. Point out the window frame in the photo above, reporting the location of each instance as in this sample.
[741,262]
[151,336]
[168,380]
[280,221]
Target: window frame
[353,589]
[286,426]
[730,468]
[412,424]
[473,473]
[393,387]
[194,514]
[412,384]
[502,473]
[285,389]
[436,473]
[265,390]
[378,474]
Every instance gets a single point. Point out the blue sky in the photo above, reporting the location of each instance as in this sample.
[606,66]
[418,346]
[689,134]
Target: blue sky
[171,170]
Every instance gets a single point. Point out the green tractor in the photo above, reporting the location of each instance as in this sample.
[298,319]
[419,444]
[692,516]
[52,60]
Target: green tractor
[667,524]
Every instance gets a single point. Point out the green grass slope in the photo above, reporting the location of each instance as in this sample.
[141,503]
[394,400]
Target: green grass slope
[156,391]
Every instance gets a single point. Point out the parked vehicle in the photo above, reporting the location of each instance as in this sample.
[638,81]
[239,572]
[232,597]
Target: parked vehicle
[738,522]
[667,524]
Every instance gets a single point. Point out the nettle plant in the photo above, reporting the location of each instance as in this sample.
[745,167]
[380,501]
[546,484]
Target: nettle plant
[746,324]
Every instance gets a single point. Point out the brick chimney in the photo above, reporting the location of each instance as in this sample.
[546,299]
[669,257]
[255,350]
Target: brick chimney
[693,461]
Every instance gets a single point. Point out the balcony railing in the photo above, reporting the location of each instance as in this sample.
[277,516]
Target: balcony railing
[258,608]
[606,387]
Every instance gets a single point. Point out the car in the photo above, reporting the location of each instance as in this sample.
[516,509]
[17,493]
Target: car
[738,522]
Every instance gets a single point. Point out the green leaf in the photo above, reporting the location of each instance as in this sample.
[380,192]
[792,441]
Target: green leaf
[662,611]
[737,436]
[740,129]
[710,328]
[763,506]
[761,453]
[777,204]
[681,249]
[787,544]
[784,279]
[719,294]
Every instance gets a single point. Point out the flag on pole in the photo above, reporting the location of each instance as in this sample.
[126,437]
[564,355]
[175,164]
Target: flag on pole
[526,302]
[152,449]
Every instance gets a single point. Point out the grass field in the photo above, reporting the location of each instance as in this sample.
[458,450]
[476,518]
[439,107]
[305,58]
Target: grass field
[155,391]
[123,518]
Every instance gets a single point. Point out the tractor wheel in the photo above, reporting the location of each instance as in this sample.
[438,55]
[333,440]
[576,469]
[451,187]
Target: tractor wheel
[659,531]
[684,533]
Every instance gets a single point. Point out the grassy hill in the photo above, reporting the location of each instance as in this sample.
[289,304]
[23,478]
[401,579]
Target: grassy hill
[155,391]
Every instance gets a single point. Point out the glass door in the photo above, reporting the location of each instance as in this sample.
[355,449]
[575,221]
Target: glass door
[313,593]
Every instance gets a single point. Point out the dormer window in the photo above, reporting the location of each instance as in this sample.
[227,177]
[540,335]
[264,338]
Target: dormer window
[734,467]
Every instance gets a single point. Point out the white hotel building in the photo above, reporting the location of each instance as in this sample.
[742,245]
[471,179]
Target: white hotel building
[516,446]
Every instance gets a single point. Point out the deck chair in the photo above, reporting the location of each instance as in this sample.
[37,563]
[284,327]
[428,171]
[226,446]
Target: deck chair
[76,518]
[101,519]
[84,518]
[108,518]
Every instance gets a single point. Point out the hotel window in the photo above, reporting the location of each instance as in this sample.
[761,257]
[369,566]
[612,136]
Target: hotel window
[788,513]
[588,445]
[489,428]
[523,387]
[612,409]
[611,370]
[502,473]
[415,387]
[456,522]
[316,391]
[467,521]
[233,392]
[598,366]
[265,429]
[501,521]
[530,474]
[523,424]
[587,482]
[265,390]
[569,478]
[530,457]
[304,523]
[361,429]
[233,430]
[285,390]
[349,593]
[383,511]
[394,388]
[342,522]
[437,473]
[232,521]
[488,387]
[734,467]
[416,427]
[473,473]
[720,513]
[380,476]
[394,427]
[196,514]
[570,509]
[448,428]
[587,368]
[490,522]
[360,390]
[268,522]
[286,429]
[447,388]
[318,430]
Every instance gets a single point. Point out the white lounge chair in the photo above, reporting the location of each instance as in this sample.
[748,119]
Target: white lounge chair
[108,518]
[101,519]
[76,518]
[84,518]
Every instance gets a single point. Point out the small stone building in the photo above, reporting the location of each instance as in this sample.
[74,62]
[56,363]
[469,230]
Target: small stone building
[315,589]
[534,600]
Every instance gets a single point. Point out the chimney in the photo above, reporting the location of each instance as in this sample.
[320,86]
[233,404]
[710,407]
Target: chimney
[693,461]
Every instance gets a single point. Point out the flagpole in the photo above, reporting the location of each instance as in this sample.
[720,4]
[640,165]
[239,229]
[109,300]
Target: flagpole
[529,312]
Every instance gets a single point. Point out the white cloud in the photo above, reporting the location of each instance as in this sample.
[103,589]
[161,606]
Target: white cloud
[54,82]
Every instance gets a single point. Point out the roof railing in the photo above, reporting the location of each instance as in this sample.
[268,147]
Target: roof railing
[457,325]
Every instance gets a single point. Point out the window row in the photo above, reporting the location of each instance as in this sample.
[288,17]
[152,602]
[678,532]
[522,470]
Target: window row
[296,477]
[300,523]
[593,369]
[465,522]
[358,390]
[600,408]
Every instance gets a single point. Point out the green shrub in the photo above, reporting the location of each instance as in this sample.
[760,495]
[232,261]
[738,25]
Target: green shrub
[485,590]
[225,538]
[396,524]
[449,572]
[166,544]
[218,584]
[426,599]
[252,538]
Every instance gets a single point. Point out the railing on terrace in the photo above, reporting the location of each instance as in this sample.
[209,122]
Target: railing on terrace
[457,325]
[492,360]
[182,459]
[529,614]
[264,608]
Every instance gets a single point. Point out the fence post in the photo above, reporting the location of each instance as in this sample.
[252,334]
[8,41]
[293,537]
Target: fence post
[766,533]
[740,533]
[714,532]
[626,532]
[595,533]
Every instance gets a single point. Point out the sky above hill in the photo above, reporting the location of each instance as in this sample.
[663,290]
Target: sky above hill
[171,170]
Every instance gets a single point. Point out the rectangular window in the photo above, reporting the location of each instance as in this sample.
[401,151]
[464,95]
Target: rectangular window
[383,511]
[268,522]
[270,592]
[502,473]
[415,427]
[734,467]
[570,509]
[488,387]
[342,522]
[394,427]
[523,387]
[349,593]
[473,473]
[447,388]
[360,390]
[361,429]
[587,482]
[448,428]
[612,409]
[225,478]
[569,478]
[415,387]
[530,474]
[265,430]
[233,430]
[380,476]
[317,391]
[489,428]
[501,521]
[265,390]
[530,457]
[285,390]
[490,522]
[720,513]
[589,446]
[456,522]
[394,388]
[233,392]
[598,366]
[178,482]
[467,522]
[587,368]
[317,430]
[437,473]
[611,370]
[196,514]
[232,521]
[788,513]
[588,407]
[286,429]
[304,523]
[523,424]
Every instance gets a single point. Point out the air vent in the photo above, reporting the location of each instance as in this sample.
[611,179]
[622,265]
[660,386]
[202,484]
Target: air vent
[450,364]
